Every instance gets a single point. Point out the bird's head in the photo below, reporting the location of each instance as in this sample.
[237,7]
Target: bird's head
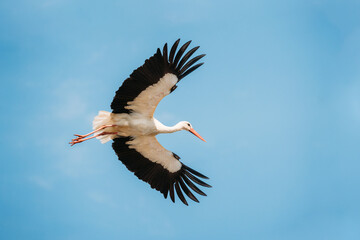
[188,127]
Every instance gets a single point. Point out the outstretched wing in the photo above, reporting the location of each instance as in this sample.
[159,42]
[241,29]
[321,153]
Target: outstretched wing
[154,80]
[152,163]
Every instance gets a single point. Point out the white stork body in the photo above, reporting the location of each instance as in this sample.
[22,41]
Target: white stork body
[133,128]
[143,131]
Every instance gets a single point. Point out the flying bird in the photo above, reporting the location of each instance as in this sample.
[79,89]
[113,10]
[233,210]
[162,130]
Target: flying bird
[132,126]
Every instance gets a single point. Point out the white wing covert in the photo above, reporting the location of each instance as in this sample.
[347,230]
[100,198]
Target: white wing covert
[141,93]
[154,80]
[159,167]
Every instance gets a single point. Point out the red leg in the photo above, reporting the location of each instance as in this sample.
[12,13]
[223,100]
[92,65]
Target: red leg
[100,128]
[79,140]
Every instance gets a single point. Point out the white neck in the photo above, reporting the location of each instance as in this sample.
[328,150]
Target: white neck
[161,128]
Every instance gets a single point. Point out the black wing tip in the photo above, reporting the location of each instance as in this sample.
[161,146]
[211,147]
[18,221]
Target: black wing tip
[178,60]
[167,60]
[193,186]
[186,44]
[185,182]
[190,70]
[196,180]
[171,190]
[195,172]
[187,191]
[180,194]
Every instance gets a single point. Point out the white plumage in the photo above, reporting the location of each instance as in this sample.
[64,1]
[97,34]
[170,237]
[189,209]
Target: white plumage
[133,128]
[146,102]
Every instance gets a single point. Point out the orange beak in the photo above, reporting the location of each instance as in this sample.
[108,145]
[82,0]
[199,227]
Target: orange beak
[196,134]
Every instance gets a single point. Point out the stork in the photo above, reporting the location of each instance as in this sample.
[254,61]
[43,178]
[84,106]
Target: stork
[132,126]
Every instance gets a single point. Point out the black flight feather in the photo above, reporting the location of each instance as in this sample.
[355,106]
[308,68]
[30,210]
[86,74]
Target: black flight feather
[165,53]
[191,62]
[152,71]
[180,53]
[186,57]
[156,175]
[187,191]
[171,189]
[190,70]
[192,186]
[179,193]
[172,51]
[195,172]
[196,180]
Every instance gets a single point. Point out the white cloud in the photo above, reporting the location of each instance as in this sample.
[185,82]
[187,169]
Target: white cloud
[351,101]
[100,198]
[70,100]
[51,3]
[41,182]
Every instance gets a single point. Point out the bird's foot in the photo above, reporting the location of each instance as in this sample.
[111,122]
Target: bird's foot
[81,136]
[76,140]
[79,139]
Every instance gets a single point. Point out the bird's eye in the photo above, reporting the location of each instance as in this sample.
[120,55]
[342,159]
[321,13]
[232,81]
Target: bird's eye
[189,124]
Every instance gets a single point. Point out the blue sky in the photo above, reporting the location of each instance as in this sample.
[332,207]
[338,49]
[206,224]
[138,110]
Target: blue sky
[278,101]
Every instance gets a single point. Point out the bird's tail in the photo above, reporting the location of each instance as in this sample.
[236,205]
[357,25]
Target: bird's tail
[103,118]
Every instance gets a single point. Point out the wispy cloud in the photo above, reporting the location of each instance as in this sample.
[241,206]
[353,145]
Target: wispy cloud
[51,3]
[70,99]
[351,101]
[41,182]
[101,198]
